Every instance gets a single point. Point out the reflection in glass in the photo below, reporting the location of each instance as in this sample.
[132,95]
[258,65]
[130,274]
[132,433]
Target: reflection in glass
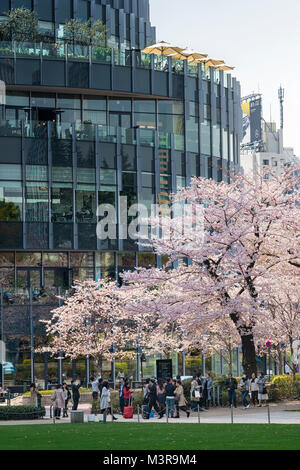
[10,201]
[85,204]
[62,203]
[36,202]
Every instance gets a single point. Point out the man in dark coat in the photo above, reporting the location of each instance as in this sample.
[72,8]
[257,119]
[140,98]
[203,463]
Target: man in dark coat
[231,385]
[75,394]
[153,399]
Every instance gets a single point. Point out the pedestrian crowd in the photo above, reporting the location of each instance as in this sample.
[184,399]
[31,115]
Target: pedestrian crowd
[165,397]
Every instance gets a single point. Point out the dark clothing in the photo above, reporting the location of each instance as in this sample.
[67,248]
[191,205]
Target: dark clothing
[153,400]
[232,397]
[254,397]
[231,384]
[76,396]
[95,395]
[170,389]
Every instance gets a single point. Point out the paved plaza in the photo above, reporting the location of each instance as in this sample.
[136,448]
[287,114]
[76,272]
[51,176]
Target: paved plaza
[283,413]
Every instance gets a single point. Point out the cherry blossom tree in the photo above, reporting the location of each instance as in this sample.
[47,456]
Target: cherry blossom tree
[91,322]
[280,320]
[249,229]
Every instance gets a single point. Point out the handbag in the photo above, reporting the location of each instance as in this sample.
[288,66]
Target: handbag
[197,394]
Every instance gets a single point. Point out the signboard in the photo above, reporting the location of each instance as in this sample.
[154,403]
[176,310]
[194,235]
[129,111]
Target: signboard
[252,116]
[268,344]
[164,369]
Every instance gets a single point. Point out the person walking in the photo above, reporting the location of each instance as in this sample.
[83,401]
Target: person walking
[153,399]
[254,389]
[105,401]
[161,395]
[75,394]
[231,385]
[58,399]
[195,393]
[127,393]
[262,391]
[121,394]
[245,386]
[67,395]
[170,397]
[180,400]
[33,394]
[209,387]
[95,387]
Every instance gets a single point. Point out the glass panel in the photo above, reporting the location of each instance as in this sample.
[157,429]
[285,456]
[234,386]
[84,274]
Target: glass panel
[108,176]
[10,172]
[225,144]
[205,138]
[17,99]
[192,134]
[11,201]
[119,105]
[55,259]
[85,206]
[126,260]
[62,205]
[82,259]
[43,100]
[7,259]
[105,259]
[36,202]
[68,101]
[170,107]
[144,106]
[94,103]
[36,173]
[216,141]
[28,259]
[86,175]
[146,260]
[145,120]
[62,174]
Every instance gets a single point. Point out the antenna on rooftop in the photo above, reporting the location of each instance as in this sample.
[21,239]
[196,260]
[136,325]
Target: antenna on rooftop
[281,100]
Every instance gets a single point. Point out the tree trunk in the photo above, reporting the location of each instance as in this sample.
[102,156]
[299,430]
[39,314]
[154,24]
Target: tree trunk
[249,355]
[99,366]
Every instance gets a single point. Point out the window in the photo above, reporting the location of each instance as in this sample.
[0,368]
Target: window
[10,201]
[36,202]
[10,172]
[266,162]
[170,107]
[62,203]
[216,141]
[144,106]
[205,138]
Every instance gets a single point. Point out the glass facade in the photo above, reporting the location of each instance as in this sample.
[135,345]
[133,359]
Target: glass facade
[132,129]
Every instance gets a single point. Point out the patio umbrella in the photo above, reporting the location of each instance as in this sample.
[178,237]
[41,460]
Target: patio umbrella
[162,48]
[225,67]
[189,54]
[211,62]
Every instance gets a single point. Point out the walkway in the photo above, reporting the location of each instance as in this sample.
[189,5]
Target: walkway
[279,414]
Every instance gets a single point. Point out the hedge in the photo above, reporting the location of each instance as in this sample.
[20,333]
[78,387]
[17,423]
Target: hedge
[16,413]
[284,387]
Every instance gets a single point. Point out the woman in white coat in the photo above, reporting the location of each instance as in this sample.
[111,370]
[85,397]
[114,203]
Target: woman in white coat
[105,400]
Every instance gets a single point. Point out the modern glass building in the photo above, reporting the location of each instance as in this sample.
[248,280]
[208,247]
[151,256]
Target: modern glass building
[84,125]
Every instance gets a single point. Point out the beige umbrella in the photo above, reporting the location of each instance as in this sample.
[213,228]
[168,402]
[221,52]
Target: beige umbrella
[211,62]
[189,54]
[225,67]
[162,48]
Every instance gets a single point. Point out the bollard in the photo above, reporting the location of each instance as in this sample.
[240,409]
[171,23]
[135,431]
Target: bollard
[104,417]
[231,408]
[198,413]
[269,415]
[167,413]
[138,409]
[112,414]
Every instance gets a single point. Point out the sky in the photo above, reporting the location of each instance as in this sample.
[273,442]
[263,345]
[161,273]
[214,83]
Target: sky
[261,38]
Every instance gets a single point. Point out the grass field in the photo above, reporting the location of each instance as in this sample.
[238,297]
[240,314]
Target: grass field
[130,436]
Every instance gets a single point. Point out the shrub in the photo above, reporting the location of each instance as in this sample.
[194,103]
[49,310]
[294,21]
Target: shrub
[21,413]
[285,385]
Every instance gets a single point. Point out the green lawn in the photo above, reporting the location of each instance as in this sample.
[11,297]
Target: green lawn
[131,436]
